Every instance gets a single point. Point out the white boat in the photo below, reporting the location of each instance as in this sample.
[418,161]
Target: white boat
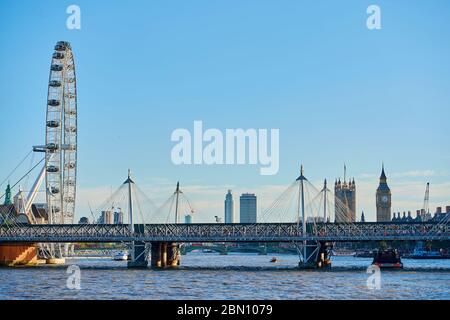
[121,256]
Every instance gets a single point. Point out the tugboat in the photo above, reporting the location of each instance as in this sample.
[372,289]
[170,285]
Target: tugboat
[387,259]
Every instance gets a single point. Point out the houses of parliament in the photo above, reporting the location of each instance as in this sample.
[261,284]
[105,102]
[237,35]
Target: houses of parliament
[345,199]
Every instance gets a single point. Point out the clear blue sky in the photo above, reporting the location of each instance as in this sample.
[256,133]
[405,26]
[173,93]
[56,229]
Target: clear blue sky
[337,91]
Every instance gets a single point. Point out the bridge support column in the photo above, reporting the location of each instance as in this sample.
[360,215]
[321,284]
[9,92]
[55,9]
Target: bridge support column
[173,255]
[316,255]
[159,255]
[163,254]
[324,259]
[138,256]
[155,260]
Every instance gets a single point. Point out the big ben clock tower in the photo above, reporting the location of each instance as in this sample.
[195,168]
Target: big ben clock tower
[383,199]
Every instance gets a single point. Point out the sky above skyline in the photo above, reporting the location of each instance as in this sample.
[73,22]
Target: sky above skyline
[338,93]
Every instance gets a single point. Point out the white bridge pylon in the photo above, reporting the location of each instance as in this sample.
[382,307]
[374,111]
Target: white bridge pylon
[308,207]
[302,202]
[129,204]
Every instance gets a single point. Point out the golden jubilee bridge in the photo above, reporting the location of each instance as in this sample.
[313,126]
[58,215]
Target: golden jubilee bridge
[220,232]
[306,209]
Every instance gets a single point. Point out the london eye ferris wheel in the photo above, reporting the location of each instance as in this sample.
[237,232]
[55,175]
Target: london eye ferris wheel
[61,136]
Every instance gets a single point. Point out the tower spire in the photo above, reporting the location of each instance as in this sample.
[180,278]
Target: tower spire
[177,193]
[301,177]
[8,195]
[383,198]
[345,171]
[130,200]
[128,178]
[383,175]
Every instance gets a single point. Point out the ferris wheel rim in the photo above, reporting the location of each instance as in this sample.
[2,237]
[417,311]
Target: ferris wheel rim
[61,136]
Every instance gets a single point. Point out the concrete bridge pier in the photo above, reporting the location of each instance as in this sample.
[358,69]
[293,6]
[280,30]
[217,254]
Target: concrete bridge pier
[173,255]
[155,258]
[324,259]
[164,254]
[138,256]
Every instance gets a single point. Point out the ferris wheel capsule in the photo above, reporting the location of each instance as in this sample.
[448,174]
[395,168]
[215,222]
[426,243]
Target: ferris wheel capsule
[56,67]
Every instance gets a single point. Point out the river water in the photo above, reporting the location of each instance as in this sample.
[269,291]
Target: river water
[234,276]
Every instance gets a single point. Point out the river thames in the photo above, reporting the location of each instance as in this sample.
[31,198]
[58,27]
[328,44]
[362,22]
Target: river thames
[234,276]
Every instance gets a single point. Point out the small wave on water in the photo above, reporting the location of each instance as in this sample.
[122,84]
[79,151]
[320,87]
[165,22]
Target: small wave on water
[248,264]
[238,269]
[296,269]
[255,263]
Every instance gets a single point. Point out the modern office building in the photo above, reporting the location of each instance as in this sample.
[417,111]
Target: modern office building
[229,208]
[118,217]
[106,217]
[247,208]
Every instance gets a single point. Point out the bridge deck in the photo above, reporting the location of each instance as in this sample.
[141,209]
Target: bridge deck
[204,232]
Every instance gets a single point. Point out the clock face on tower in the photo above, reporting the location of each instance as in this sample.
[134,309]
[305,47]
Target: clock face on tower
[384,199]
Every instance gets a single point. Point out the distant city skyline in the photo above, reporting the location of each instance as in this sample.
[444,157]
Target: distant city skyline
[197,193]
[338,92]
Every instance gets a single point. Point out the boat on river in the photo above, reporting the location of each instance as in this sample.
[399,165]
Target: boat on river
[387,259]
[420,253]
[121,256]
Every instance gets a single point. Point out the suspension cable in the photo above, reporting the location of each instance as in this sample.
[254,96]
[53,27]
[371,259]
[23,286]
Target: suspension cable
[25,175]
[12,172]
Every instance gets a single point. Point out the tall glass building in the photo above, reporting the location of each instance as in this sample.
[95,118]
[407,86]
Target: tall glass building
[229,208]
[248,208]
